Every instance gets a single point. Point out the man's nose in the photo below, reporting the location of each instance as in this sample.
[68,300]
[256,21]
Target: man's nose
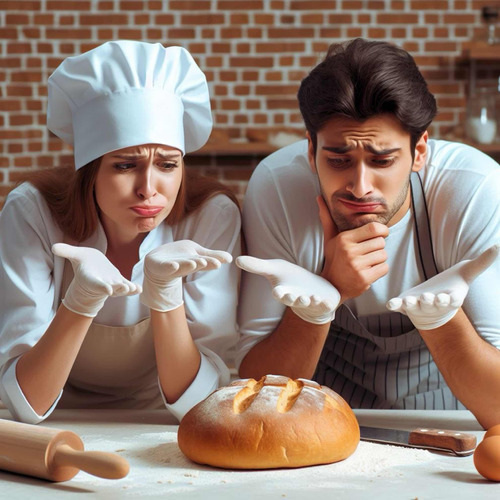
[360,182]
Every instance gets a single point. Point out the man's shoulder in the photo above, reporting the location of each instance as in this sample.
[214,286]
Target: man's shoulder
[447,156]
[284,168]
[295,149]
[287,159]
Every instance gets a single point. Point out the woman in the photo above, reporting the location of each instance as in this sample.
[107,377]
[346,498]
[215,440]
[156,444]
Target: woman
[75,329]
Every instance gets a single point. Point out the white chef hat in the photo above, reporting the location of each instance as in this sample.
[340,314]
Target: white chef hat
[127,93]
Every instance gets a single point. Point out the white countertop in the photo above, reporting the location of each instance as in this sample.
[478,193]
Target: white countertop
[158,469]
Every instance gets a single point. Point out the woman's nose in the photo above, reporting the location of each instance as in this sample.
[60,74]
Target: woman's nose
[145,184]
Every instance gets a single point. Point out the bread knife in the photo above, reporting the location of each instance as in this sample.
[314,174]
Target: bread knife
[458,443]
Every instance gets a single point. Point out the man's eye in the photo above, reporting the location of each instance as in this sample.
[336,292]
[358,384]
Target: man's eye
[383,162]
[338,162]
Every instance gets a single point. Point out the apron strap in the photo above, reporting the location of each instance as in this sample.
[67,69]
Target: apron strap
[423,238]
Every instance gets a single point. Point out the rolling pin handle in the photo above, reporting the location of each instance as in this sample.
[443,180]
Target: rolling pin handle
[97,463]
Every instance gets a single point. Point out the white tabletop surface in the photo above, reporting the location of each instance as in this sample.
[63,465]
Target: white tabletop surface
[158,469]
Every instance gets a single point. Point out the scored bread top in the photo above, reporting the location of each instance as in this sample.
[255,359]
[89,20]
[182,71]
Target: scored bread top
[285,398]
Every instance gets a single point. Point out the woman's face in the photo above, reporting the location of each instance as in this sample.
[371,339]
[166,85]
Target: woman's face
[136,188]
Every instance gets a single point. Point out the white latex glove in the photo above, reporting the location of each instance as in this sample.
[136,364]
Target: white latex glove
[434,302]
[310,297]
[95,279]
[165,266]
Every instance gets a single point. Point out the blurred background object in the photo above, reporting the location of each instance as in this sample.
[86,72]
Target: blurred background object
[489,14]
[481,119]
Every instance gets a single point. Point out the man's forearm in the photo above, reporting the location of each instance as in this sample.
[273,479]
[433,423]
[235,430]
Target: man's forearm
[293,350]
[470,366]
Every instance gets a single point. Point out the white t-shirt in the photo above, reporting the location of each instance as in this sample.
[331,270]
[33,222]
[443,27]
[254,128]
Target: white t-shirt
[31,280]
[280,221]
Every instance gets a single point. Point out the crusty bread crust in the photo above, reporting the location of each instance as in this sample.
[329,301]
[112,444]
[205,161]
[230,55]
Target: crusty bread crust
[271,423]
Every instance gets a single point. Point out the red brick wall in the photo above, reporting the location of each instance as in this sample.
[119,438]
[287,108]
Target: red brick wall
[254,52]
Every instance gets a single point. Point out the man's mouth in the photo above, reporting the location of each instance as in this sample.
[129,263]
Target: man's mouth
[361,207]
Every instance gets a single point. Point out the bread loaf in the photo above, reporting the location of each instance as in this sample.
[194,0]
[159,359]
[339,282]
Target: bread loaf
[271,423]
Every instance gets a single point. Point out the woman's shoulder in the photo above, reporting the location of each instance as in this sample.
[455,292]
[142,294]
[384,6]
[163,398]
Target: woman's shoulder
[217,213]
[218,207]
[26,213]
[219,201]
[27,197]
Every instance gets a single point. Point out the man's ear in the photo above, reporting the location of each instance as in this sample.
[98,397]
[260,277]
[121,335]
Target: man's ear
[311,156]
[420,153]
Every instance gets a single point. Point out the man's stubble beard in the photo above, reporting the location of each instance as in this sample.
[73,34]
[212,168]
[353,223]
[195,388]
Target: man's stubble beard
[345,224]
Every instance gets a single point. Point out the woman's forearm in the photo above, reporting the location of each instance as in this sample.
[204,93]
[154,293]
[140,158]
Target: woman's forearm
[43,370]
[177,357]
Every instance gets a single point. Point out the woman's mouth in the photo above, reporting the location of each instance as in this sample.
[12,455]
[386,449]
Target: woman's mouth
[147,211]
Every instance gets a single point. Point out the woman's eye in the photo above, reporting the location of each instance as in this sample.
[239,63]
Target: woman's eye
[168,165]
[123,166]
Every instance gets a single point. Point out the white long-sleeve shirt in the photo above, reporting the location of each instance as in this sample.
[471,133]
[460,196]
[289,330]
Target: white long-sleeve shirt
[31,280]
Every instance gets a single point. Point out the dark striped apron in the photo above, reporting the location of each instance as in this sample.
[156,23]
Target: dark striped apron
[381,361]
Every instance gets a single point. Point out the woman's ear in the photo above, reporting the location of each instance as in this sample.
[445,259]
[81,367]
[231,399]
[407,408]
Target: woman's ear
[311,153]
[420,153]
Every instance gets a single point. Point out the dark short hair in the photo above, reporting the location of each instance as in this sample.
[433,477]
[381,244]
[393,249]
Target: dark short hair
[360,79]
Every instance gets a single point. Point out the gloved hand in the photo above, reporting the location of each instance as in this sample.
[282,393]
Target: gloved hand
[310,297]
[95,280]
[165,266]
[434,302]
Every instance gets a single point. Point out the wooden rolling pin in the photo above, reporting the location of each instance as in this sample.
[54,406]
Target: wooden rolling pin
[53,454]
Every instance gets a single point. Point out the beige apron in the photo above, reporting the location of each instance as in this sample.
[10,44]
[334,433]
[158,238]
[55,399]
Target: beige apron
[115,367]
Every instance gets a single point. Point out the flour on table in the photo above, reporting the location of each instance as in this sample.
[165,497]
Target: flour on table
[157,459]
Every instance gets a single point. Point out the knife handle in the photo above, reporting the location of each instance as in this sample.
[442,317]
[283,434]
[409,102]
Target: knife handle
[456,441]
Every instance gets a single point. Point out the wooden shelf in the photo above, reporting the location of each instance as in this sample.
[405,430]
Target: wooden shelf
[236,149]
[481,51]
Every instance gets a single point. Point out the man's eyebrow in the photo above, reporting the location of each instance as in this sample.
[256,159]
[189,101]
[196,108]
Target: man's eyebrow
[387,151]
[339,150]
[345,149]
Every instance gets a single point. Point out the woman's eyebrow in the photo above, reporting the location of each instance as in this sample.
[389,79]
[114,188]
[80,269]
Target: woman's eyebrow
[168,155]
[129,156]
[138,156]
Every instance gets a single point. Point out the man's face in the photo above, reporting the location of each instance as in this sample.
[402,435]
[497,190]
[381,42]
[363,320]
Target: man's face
[364,169]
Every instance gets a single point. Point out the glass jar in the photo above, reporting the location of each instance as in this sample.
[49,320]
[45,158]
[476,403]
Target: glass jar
[490,15]
[481,120]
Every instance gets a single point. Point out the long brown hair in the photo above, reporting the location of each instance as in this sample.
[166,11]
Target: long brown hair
[70,197]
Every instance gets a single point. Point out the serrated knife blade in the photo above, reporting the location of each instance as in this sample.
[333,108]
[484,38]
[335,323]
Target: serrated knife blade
[447,441]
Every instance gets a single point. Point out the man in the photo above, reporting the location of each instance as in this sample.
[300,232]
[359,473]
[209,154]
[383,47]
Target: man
[390,295]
